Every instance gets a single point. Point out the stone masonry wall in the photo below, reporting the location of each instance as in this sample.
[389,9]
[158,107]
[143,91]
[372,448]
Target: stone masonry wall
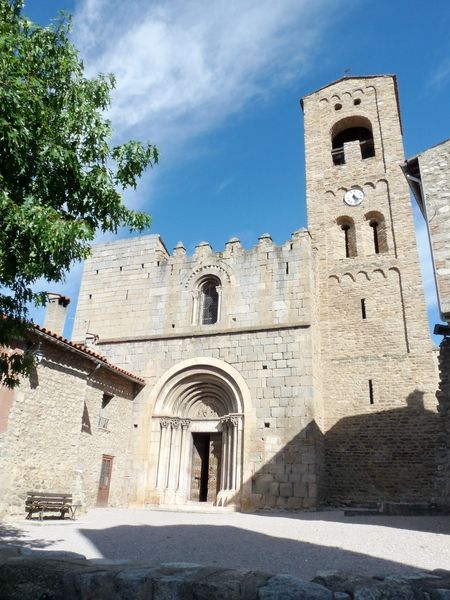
[434,167]
[111,441]
[282,441]
[335,350]
[43,447]
[435,175]
[385,450]
[141,303]
[377,365]
[40,444]
[134,288]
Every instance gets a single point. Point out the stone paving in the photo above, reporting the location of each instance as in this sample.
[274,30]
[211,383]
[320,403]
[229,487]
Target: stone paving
[296,543]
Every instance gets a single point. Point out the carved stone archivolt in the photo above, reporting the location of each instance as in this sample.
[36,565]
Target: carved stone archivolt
[220,270]
[200,397]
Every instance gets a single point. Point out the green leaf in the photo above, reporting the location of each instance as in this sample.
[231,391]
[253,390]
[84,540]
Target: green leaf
[60,179]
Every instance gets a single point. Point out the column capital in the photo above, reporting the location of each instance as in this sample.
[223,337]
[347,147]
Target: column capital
[232,419]
[185,423]
[164,422]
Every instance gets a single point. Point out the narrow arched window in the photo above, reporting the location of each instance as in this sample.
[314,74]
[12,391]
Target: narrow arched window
[378,235]
[352,129]
[376,244]
[346,228]
[348,245]
[209,304]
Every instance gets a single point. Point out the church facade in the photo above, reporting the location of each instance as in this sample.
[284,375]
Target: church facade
[282,376]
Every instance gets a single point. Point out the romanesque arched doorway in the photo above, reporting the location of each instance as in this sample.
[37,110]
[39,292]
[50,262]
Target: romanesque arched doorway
[197,429]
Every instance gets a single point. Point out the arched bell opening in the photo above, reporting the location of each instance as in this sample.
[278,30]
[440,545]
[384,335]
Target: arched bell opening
[198,421]
[357,129]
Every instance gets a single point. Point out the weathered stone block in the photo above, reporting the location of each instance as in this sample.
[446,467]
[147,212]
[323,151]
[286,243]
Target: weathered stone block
[285,489]
[300,490]
[286,587]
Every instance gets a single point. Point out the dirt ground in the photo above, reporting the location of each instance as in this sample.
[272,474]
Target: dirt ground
[296,543]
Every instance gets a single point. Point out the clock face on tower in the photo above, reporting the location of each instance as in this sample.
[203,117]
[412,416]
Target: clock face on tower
[353,197]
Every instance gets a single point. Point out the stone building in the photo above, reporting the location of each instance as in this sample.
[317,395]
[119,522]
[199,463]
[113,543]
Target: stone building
[428,174]
[283,376]
[67,427]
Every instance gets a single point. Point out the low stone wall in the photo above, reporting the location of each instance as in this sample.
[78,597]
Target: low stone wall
[27,574]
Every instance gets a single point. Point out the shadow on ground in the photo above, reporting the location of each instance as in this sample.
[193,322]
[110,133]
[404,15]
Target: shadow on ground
[232,547]
[13,536]
[430,524]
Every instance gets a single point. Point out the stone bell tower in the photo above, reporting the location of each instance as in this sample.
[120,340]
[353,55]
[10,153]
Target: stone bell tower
[377,370]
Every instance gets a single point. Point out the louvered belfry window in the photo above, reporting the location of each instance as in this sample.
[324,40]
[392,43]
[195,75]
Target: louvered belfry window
[210,303]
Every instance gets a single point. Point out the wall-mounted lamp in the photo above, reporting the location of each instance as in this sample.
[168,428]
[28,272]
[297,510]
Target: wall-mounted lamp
[37,352]
[441,329]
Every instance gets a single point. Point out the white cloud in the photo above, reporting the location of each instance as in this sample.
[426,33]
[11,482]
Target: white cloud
[441,74]
[224,184]
[183,67]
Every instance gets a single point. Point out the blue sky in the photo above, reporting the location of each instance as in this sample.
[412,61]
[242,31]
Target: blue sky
[217,86]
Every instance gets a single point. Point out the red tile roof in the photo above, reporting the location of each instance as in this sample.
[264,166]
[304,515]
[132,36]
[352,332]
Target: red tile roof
[90,354]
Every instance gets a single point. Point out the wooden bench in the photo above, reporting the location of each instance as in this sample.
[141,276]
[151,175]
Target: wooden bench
[50,502]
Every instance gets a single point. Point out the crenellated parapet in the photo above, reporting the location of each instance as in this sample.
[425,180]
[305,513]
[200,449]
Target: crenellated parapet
[134,287]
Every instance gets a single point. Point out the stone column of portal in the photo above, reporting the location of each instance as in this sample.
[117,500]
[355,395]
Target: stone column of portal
[174,455]
[224,474]
[234,425]
[184,460]
[164,445]
[230,458]
[239,430]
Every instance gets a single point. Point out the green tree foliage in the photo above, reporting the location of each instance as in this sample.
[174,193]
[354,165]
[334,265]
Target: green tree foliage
[60,178]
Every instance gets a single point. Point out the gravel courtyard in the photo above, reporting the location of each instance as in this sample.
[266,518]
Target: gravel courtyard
[296,543]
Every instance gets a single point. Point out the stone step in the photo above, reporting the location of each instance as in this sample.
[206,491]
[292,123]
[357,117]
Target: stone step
[396,509]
